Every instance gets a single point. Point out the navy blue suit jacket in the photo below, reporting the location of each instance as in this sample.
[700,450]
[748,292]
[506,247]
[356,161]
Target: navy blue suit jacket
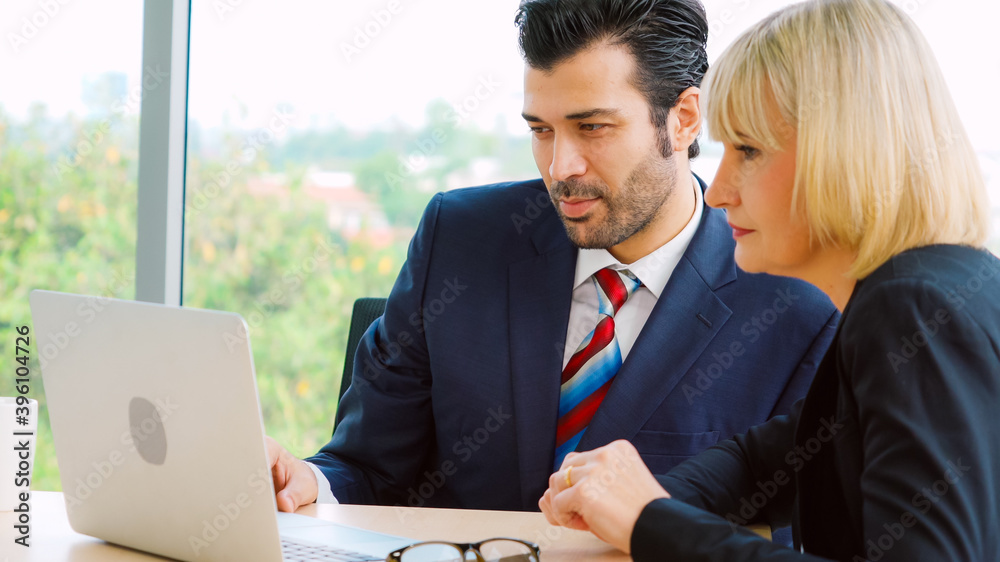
[456,388]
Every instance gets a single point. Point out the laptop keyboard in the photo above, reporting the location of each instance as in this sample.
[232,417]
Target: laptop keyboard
[295,551]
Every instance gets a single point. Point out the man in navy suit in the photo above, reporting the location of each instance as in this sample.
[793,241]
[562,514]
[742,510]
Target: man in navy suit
[600,302]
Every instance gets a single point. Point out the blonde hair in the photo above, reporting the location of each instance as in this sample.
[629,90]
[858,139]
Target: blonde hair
[883,163]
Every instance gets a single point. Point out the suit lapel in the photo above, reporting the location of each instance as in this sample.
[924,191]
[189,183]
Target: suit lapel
[670,342]
[685,319]
[540,298]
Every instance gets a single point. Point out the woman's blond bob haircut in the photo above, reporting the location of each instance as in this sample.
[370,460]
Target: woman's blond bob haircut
[883,163]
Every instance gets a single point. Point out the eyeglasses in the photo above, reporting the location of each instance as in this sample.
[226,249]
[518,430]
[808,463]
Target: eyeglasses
[499,549]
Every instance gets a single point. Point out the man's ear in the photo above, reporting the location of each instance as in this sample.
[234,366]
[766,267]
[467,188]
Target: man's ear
[685,119]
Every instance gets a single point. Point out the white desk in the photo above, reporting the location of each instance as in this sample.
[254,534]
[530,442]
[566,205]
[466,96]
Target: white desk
[53,540]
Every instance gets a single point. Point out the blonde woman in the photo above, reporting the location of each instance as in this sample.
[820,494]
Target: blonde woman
[845,165]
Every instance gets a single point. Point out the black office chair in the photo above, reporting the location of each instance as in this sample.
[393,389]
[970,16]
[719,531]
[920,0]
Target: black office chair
[366,310]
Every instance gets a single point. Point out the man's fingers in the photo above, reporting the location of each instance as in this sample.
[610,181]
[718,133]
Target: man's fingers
[278,459]
[289,499]
[273,450]
[280,472]
[286,502]
[294,482]
[300,487]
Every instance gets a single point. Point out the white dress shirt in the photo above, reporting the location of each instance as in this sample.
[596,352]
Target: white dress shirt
[653,270]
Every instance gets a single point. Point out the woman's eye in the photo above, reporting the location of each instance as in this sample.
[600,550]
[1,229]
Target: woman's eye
[749,152]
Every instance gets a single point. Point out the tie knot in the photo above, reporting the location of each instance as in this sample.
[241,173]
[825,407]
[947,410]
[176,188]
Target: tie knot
[614,287]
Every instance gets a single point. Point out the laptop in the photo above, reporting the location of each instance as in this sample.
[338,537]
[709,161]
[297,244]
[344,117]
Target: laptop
[159,438]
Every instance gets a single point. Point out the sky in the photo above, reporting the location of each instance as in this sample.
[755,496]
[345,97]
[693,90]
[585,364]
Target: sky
[370,63]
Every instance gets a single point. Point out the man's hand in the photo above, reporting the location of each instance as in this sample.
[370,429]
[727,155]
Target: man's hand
[294,482]
[602,491]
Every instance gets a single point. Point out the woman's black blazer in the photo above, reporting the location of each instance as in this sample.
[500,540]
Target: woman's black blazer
[894,453]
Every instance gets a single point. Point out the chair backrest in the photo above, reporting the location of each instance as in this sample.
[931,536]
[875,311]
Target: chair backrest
[366,311]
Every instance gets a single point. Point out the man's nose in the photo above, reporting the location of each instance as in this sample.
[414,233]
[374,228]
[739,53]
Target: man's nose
[567,161]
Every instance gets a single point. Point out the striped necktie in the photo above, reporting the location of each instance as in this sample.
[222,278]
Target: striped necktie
[588,375]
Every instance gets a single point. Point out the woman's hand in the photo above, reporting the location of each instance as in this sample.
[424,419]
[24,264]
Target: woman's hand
[602,491]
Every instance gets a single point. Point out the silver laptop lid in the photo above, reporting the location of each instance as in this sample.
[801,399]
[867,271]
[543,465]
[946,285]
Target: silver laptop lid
[157,427]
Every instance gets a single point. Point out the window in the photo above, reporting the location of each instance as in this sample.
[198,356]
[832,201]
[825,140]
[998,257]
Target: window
[318,132]
[69,131]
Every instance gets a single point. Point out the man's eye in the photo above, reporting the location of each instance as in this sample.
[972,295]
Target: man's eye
[592,126]
[539,130]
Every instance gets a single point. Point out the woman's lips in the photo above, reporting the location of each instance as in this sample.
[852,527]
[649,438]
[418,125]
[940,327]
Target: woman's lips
[739,232]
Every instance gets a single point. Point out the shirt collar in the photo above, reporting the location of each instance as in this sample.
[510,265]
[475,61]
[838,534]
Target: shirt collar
[653,269]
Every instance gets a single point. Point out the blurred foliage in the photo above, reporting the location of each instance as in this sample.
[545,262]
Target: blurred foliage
[68,222]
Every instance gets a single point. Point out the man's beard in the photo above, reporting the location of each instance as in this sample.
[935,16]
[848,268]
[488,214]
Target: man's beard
[642,198]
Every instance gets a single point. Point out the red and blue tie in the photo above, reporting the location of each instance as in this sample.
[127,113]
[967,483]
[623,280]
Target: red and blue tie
[588,375]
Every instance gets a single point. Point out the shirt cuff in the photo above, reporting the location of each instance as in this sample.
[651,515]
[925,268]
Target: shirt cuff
[324,493]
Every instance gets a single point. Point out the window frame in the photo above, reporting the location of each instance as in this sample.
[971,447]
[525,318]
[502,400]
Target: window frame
[166,33]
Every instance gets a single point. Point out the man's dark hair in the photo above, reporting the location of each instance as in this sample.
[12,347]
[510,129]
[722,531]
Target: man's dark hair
[666,37]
